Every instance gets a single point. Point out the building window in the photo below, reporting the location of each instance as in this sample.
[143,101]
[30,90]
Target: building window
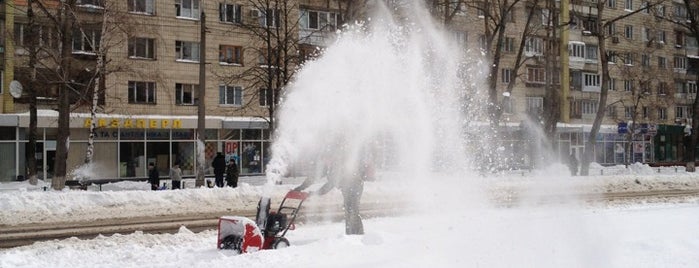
[143,48]
[682,111]
[680,87]
[506,76]
[590,25]
[662,62]
[591,82]
[319,20]
[645,111]
[483,42]
[536,75]
[589,107]
[265,97]
[187,51]
[591,53]
[628,59]
[680,11]
[679,38]
[628,85]
[87,40]
[187,9]
[230,54]
[661,37]
[628,4]
[692,88]
[611,29]
[509,44]
[186,94]
[680,62]
[611,84]
[141,92]
[628,32]
[662,113]
[611,56]
[611,111]
[645,34]
[535,105]
[611,3]
[534,46]
[90,3]
[645,60]
[662,88]
[142,6]
[628,112]
[691,42]
[229,13]
[576,50]
[230,95]
[269,18]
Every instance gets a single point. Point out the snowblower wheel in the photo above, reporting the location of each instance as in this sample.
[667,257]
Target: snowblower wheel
[233,242]
[280,242]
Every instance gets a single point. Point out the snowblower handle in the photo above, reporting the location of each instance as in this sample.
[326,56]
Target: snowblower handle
[296,195]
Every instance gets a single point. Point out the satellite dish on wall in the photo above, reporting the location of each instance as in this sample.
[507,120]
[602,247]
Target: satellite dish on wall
[15,89]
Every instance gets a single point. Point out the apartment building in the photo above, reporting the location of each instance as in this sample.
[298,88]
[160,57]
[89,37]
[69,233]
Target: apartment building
[652,65]
[148,106]
[150,97]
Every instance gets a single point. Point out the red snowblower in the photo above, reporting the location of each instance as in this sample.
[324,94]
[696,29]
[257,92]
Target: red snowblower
[267,231]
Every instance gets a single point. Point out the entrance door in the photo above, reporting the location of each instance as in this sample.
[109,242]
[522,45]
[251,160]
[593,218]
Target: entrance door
[49,158]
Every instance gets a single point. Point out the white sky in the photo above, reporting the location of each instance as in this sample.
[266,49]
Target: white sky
[452,232]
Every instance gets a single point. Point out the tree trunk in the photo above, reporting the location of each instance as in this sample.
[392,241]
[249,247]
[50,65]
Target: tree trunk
[604,92]
[31,90]
[63,135]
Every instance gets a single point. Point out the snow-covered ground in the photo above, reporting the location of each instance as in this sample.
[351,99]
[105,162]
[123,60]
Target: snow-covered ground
[453,223]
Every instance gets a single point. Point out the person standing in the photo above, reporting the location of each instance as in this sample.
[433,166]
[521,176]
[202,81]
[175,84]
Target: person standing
[219,165]
[573,164]
[232,174]
[176,175]
[153,176]
[351,185]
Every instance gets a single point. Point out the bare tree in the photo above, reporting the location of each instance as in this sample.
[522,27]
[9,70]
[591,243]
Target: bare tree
[600,30]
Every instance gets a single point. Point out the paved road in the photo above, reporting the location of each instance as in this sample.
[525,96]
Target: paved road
[12,236]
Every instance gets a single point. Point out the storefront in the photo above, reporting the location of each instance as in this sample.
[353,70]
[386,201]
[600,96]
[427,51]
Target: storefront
[124,145]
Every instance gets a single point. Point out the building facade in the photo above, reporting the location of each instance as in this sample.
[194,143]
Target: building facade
[149,95]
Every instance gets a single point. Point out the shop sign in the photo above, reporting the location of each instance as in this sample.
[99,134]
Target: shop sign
[622,128]
[134,123]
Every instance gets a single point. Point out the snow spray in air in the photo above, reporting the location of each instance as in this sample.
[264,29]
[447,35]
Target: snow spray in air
[395,92]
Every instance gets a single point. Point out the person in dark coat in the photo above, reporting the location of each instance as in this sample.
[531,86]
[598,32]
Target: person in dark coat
[232,174]
[219,165]
[153,177]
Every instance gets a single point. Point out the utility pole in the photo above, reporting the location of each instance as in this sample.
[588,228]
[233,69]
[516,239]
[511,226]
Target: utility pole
[201,106]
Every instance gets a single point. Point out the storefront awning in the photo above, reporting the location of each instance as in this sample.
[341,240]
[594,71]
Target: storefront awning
[245,124]
[9,120]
